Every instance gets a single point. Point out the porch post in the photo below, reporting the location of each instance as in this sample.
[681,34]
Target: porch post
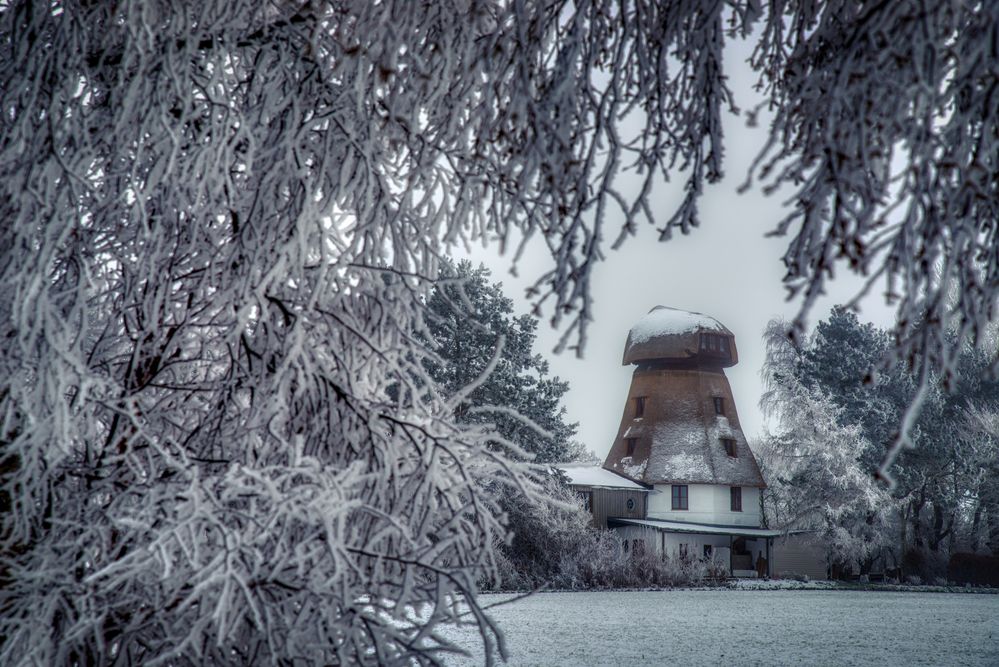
[769,565]
[731,556]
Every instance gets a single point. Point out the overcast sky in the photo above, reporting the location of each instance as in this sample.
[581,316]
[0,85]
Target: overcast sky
[726,269]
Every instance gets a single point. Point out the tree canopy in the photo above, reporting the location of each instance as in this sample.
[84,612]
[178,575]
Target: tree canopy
[834,425]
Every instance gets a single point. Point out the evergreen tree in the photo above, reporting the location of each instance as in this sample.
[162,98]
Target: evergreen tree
[470,321]
[943,501]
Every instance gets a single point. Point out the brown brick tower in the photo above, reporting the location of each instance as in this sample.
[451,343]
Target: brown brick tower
[680,424]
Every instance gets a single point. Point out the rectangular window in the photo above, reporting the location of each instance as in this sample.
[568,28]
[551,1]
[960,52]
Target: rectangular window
[680,496]
[639,406]
[716,345]
[630,445]
[719,405]
[684,553]
[736,498]
[587,497]
[729,444]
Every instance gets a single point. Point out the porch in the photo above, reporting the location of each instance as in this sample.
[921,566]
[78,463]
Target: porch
[746,550]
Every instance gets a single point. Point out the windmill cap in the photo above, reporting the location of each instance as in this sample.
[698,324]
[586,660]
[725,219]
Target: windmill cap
[671,334]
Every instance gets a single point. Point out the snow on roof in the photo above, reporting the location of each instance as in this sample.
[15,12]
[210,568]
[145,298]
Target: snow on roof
[666,321]
[701,528]
[590,475]
[686,450]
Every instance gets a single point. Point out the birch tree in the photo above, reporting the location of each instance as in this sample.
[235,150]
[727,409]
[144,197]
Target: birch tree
[814,465]
[220,220]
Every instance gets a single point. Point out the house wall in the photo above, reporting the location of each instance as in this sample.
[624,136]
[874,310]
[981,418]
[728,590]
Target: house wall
[707,503]
[650,536]
[614,502]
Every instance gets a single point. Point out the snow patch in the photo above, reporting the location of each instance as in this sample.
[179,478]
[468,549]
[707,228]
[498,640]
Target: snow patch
[635,470]
[666,321]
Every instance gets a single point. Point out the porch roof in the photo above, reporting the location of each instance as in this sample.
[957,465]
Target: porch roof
[702,528]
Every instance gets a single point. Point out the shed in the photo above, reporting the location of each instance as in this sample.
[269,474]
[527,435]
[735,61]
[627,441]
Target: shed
[606,493]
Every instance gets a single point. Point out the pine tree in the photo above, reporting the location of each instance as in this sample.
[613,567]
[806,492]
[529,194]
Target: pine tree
[470,321]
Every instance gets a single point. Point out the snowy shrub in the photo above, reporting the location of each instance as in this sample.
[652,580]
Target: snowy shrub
[716,570]
[602,562]
[914,580]
[684,571]
[551,534]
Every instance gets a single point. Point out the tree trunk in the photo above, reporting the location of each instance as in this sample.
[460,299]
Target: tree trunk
[917,526]
[976,523]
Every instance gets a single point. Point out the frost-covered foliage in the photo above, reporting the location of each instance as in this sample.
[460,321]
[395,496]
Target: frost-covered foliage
[220,219]
[553,545]
[813,466]
[945,500]
[944,496]
[886,126]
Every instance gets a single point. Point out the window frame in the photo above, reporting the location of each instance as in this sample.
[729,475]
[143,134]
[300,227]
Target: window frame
[731,447]
[680,497]
[630,445]
[640,406]
[715,345]
[719,402]
[735,498]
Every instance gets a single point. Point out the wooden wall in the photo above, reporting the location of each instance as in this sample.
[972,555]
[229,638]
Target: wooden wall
[797,555]
[614,502]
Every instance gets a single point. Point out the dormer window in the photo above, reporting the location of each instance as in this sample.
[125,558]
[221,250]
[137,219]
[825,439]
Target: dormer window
[630,445]
[719,405]
[729,445]
[715,344]
[639,406]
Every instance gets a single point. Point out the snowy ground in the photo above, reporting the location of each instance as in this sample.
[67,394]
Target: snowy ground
[747,627]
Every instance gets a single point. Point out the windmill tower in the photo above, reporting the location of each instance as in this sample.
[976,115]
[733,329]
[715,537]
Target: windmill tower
[680,431]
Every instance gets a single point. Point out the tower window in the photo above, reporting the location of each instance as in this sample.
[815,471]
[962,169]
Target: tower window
[729,446]
[719,405]
[736,492]
[680,496]
[715,344]
[630,445]
[639,406]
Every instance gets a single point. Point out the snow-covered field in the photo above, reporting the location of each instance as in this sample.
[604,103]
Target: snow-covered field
[746,627]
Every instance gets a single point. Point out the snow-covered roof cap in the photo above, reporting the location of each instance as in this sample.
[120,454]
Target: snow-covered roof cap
[666,333]
[591,475]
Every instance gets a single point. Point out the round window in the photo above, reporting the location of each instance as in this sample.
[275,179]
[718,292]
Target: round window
[631,503]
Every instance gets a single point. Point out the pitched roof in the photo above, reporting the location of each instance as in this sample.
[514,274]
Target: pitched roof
[591,475]
[688,450]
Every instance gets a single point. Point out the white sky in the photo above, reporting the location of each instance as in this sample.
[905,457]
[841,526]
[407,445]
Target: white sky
[725,269]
